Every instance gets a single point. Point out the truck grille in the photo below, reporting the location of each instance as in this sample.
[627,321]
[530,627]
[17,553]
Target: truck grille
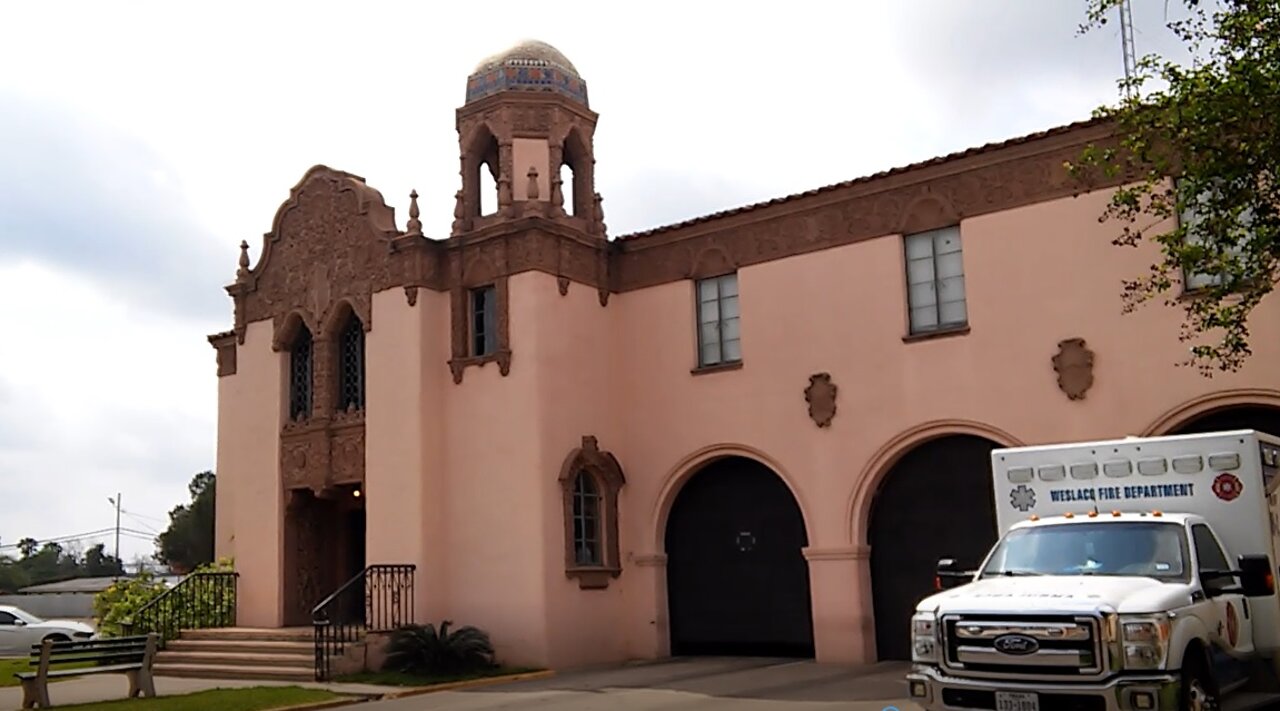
[1049,645]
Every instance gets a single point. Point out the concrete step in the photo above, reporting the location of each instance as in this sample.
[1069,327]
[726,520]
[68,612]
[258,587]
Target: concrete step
[183,644]
[232,671]
[285,634]
[235,659]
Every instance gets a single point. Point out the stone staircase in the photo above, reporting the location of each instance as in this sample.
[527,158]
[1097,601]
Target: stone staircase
[286,654]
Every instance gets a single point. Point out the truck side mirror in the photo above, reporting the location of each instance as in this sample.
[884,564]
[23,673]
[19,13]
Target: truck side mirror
[950,574]
[1256,577]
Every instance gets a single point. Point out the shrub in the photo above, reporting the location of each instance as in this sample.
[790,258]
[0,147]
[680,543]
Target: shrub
[122,599]
[422,651]
[192,606]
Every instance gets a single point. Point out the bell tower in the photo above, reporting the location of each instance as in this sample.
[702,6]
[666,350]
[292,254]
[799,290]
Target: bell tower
[525,134]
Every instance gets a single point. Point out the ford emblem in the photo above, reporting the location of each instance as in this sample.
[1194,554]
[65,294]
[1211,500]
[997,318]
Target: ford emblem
[1016,644]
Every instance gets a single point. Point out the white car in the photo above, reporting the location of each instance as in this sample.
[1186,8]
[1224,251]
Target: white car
[20,629]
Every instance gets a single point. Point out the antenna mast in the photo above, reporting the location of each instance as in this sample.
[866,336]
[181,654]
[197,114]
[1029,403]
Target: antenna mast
[1126,42]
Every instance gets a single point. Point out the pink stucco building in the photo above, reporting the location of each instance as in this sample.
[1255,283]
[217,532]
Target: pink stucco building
[753,432]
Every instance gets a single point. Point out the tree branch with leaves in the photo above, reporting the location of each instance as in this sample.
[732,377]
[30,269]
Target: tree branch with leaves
[1199,145]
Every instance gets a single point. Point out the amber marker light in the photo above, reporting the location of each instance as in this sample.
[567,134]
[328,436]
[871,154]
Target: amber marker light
[1068,515]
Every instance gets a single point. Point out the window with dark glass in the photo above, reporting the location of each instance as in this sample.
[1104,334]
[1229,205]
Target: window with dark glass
[484,335]
[300,375]
[351,365]
[586,520]
[1209,557]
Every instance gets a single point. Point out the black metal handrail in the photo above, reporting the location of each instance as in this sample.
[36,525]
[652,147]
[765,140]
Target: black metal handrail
[201,600]
[377,599]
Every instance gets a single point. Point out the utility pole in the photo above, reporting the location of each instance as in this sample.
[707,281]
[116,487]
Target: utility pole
[116,501]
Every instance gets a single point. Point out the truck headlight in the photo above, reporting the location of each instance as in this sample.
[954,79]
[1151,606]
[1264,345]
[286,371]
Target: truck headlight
[924,637]
[1145,640]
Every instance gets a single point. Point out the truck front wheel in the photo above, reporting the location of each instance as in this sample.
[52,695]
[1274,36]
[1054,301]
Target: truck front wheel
[1197,688]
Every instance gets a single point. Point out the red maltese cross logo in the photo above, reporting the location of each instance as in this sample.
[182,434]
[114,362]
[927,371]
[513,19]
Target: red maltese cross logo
[1227,486]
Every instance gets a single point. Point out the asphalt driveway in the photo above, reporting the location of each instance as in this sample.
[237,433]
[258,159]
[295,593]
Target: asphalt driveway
[686,685]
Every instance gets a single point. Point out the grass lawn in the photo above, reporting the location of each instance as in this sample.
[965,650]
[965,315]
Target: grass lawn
[12,665]
[254,698]
[392,678]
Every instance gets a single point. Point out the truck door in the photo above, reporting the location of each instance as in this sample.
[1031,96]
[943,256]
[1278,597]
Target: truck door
[1228,617]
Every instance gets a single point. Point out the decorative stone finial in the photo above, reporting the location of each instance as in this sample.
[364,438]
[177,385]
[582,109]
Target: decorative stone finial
[598,214]
[533,183]
[243,272]
[415,225]
[459,212]
[557,194]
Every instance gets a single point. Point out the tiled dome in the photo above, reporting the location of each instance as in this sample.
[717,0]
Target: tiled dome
[528,66]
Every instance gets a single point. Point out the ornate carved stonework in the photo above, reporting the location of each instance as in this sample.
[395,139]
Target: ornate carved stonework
[225,344]
[821,396]
[928,196]
[606,473]
[335,239]
[1074,366]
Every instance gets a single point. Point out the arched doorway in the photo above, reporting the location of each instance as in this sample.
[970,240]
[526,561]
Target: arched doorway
[737,580]
[1262,418]
[935,502]
[324,538]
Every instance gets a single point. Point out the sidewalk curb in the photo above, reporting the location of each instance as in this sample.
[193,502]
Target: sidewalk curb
[333,703]
[470,683]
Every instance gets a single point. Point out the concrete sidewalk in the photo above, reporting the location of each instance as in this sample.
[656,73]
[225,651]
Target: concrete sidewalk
[703,684]
[112,687]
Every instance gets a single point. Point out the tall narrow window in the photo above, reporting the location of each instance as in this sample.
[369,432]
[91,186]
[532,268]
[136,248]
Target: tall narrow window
[586,520]
[718,337]
[1190,217]
[935,280]
[351,365]
[300,375]
[484,327]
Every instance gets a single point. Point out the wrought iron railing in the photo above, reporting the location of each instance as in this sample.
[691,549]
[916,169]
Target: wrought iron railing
[378,599]
[200,601]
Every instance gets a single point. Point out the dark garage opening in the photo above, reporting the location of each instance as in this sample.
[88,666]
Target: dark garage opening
[935,502]
[737,580]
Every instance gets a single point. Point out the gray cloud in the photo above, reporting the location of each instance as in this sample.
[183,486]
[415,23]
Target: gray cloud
[102,204]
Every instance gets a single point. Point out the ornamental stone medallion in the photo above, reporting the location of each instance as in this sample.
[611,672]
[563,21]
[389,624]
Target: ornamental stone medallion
[821,396]
[1074,366]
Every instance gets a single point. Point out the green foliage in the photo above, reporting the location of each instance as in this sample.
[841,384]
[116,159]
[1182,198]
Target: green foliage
[1206,137]
[119,602]
[51,563]
[422,651]
[188,542]
[193,605]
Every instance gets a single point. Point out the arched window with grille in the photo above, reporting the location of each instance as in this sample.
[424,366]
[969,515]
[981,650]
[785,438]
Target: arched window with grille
[351,365]
[591,480]
[586,520]
[300,369]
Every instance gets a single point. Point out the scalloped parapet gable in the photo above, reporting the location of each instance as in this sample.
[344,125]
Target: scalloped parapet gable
[328,243]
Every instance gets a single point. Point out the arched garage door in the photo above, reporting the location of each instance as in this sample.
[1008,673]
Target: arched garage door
[737,580]
[1240,417]
[936,502]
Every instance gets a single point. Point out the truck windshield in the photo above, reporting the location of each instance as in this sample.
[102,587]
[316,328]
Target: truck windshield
[1140,548]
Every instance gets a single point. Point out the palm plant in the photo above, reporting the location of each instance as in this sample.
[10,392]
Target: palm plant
[421,650]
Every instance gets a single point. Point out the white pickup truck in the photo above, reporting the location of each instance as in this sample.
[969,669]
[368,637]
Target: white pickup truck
[1134,574]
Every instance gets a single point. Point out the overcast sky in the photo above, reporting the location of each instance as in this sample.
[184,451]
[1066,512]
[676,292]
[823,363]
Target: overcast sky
[141,141]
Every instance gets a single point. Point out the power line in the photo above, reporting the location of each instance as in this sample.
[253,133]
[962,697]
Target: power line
[63,539]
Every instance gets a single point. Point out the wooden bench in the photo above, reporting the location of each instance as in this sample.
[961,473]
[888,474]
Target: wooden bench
[130,656]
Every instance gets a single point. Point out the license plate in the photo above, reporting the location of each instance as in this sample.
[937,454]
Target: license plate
[1017,701]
